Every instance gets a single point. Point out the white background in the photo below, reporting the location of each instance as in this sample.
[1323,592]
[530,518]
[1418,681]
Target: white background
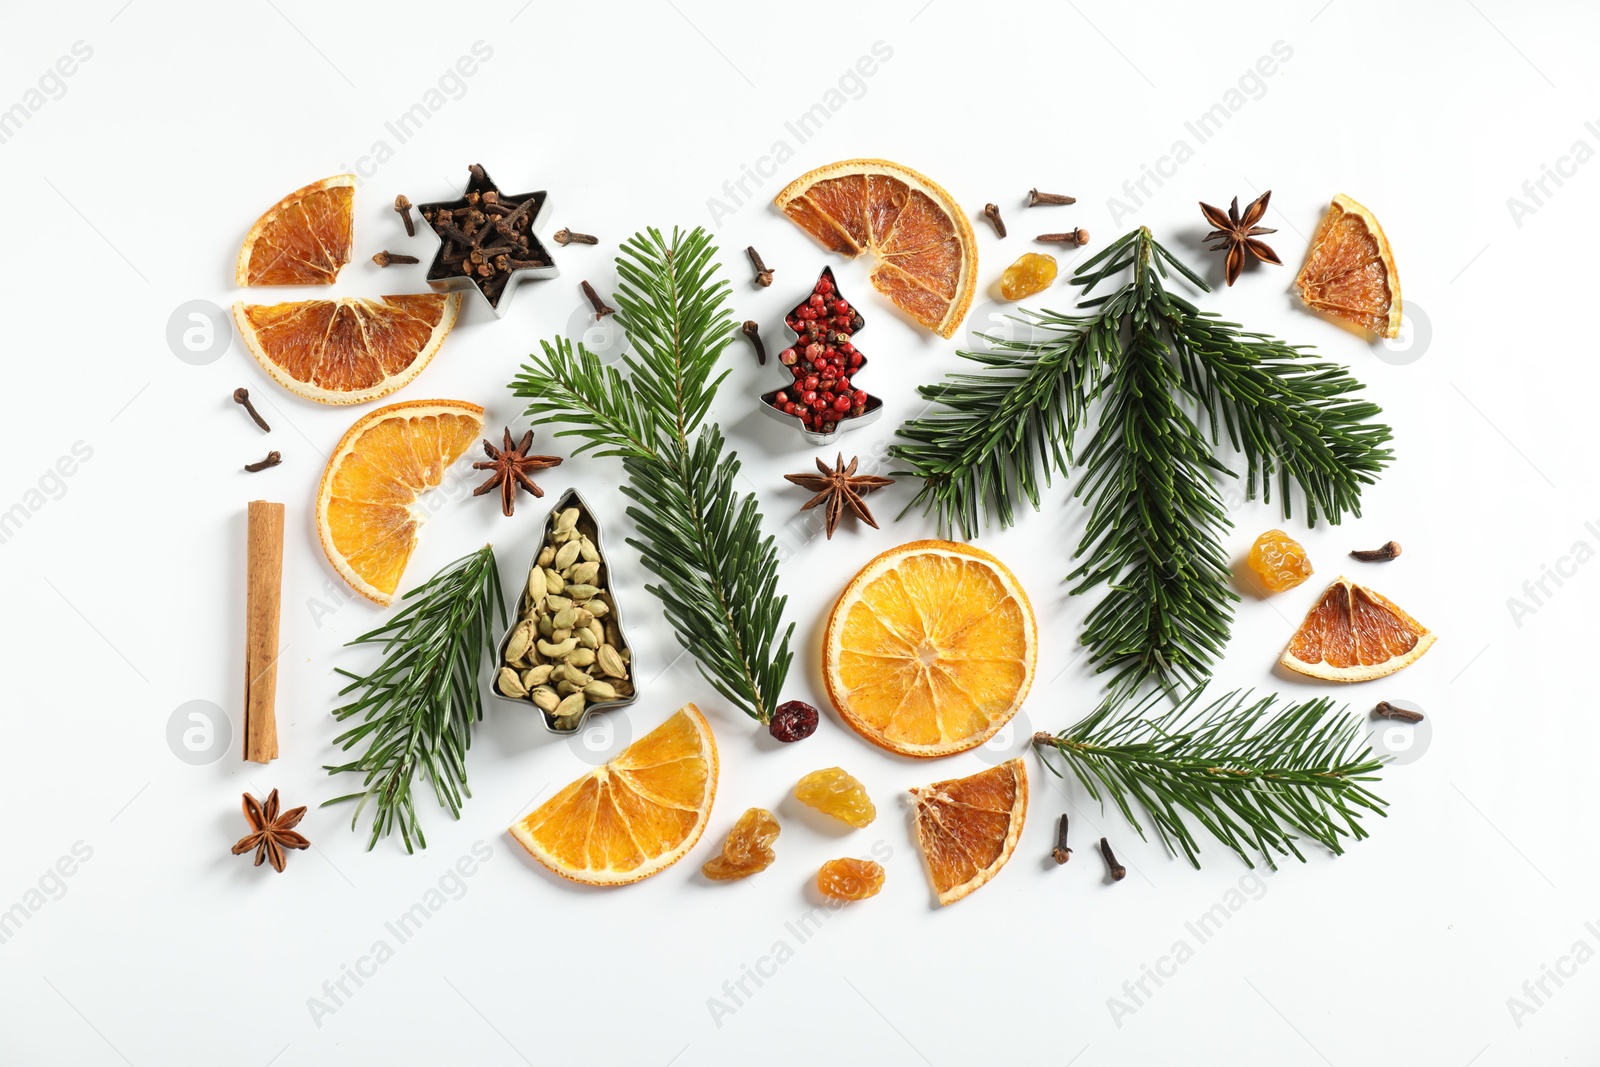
[127,196]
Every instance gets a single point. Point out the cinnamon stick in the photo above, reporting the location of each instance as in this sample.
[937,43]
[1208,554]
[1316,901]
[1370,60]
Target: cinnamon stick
[263,597]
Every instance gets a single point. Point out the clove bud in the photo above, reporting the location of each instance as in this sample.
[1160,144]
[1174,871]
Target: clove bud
[1076,238]
[753,331]
[1035,198]
[992,213]
[1387,551]
[1389,711]
[1061,853]
[763,272]
[1118,871]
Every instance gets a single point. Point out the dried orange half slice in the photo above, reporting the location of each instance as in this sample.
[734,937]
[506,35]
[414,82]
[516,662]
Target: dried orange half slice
[347,351]
[968,827]
[927,255]
[367,504]
[1355,635]
[303,239]
[637,815]
[930,649]
[1349,270]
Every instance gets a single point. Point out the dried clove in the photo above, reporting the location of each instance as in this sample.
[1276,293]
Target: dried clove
[763,272]
[241,395]
[600,309]
[1389,711]
[1076,238]
[402,207]
[1061,852]
[565,236]
[753,331]
[273,459]
[992,213]
[1035,198]
[1118,871]
[1386,551]
[384,259]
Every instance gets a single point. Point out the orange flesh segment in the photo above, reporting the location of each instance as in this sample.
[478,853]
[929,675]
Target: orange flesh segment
[1350,626]
[623,819]
[934,650]
[968,827]
[377,479]
[929,244]
[1348,272]
[303,240]
[348,347]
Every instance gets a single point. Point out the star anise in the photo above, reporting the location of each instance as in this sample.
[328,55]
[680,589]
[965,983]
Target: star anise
[1238,233]
[270,832]
[511,466]
[838,487]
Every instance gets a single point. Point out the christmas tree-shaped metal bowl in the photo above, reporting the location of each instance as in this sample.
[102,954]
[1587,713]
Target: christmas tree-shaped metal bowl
[822,356]
[566,655]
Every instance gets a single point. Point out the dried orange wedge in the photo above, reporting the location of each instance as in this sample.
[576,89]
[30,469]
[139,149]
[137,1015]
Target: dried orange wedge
[637,815]
[347,351]
[303,239]
[1355,635]
[367,504]
[930,649]
[968,827]
[1349,270]
[927,255]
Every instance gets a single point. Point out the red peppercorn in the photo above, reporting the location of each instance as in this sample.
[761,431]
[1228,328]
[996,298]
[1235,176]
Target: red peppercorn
[810,382]
[788,357]
[781,399]
[807,313]
[860,397]
[823,286]
[814,351]
[816,300]
[843,384]
[841,403]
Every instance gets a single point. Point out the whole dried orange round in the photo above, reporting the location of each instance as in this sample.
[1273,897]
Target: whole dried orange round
[930,649]
[303,239]
[1354,635]
[927,256]
[635,816]
[367,504]
[347,351]
[1349,270]
[968,827]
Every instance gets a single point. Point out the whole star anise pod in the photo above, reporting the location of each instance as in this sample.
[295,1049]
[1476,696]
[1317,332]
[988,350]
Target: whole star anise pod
[511,466]
[1238,233]
[838,487]
[270,832]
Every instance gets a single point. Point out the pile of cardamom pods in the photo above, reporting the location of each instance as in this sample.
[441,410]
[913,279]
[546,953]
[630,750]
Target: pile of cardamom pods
[566,651]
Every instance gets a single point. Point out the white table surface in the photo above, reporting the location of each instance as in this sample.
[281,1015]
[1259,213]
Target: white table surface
[128,187]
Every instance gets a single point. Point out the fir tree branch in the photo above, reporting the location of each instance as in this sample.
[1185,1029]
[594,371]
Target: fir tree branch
[1148,358]
[1254,778]
[418,706]
[718,574]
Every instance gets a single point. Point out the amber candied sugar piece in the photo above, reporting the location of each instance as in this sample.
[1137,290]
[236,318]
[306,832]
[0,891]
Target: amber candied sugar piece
[849,879]
[835,792]
[748,848]
[1033,272]
[1279,561]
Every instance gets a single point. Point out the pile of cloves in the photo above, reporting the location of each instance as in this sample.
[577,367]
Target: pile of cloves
[486,235]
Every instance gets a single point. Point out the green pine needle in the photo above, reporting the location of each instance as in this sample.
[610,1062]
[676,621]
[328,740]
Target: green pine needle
[1254,778]
[417,707]
[717,575]
[1139,363]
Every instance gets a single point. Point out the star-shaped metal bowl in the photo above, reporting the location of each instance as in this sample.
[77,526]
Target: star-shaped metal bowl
[445,273]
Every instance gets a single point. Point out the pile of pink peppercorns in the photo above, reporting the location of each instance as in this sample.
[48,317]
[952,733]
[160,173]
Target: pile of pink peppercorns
[822,360]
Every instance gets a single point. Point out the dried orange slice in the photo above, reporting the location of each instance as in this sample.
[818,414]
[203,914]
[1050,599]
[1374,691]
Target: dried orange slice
[1355,635]
[367,504]
[930,649]
[303,239]
[347,351]
[968,827]
[1349,270]
[637,815]
[927,255]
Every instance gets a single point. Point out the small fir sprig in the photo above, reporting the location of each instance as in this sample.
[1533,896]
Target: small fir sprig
[717,575]
[418,706]
[1140,362]
[1256,779]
